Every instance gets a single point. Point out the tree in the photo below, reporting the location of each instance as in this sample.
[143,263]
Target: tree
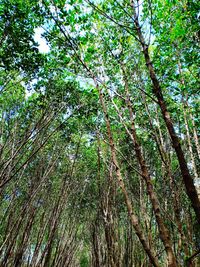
[99,137]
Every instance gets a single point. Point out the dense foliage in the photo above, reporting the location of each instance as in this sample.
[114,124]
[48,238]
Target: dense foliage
[99,134]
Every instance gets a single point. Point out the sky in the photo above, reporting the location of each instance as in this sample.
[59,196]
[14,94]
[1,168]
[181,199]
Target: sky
[43,46]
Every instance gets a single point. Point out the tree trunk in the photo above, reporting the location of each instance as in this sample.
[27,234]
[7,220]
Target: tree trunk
[133,217]
[188,181]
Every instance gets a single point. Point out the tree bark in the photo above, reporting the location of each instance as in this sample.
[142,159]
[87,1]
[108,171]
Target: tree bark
[157,90]
[133,217]
[164,233]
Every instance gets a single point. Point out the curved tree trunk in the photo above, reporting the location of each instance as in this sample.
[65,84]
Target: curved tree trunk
[157,90]
[133,217]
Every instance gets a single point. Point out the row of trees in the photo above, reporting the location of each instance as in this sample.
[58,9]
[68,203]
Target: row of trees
[99,148]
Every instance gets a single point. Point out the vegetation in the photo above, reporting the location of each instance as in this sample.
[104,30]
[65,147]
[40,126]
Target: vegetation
[99,134]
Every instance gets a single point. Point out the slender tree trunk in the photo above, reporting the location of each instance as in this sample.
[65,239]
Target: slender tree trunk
[109,221]
[186,122]
[95,245]
[167,168]
[196,139]
[133,217]
[23,244]
[164,233]
[188,181]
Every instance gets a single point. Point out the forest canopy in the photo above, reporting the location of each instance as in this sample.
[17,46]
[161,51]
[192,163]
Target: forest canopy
[99,133]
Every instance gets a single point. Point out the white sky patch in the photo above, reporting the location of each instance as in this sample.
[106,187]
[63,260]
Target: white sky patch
[68,7]
[82,33]
[43,46]
[93,31]
[27,92]
[77,27]
[67,114]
